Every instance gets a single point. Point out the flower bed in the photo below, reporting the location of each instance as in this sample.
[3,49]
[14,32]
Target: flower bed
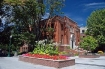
[47,60]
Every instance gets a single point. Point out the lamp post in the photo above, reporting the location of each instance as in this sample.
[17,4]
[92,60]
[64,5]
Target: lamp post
[9,46]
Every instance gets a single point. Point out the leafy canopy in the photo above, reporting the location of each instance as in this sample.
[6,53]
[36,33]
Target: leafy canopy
[26,15]
[88,43]
[96,25]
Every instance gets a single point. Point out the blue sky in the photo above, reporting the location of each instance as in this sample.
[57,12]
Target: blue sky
[80,10]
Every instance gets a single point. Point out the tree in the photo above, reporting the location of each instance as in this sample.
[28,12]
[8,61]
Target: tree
[1,1]
[1,12]
[54,6]
[88,43]
[24,38]
[96,26]
[30,12]
[25,13]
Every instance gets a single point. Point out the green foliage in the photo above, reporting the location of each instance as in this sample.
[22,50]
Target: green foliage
[4,46]
[15,2]
[63,53]
[25,37]
[96,25]
[68,47]
[88,43]
[27,13]
[1,12]
[100,52]
[45,49]
[30,12]
[54,6]
[49,29]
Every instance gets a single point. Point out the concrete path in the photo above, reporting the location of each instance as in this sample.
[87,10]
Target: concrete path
[81,63]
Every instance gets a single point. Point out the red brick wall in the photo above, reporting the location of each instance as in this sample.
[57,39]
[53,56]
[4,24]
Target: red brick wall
[62,32]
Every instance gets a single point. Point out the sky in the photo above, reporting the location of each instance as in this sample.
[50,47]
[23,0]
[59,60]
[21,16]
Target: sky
[80,10]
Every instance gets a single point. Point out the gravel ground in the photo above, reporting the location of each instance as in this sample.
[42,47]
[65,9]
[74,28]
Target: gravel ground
[81,63]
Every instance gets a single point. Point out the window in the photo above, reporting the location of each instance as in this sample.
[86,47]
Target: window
[83,31]
[52,25]
[61,39]
[61,26]
[72,29]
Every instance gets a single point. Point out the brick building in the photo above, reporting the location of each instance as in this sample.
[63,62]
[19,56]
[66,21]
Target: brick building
[82,31]
[66,32]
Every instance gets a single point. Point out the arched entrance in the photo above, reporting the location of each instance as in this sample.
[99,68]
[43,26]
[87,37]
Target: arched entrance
[72,41]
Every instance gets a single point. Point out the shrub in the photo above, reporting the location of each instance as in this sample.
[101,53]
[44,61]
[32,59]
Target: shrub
[89,43]
[100,52]
[63,53]
[42,48]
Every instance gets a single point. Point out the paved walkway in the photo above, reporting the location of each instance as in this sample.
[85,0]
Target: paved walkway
[81,63]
